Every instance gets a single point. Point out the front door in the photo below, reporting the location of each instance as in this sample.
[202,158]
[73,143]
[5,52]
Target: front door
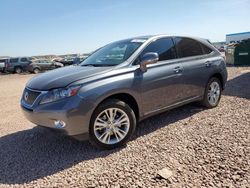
[161,84]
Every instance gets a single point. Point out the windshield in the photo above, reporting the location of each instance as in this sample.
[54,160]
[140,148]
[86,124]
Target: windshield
[114,53]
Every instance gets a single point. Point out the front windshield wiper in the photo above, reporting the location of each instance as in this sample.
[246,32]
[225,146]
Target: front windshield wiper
[90,65]
[98,65]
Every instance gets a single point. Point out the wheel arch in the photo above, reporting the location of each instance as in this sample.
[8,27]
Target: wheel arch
[18,66]
[36,67]
[220,77]
[128,99]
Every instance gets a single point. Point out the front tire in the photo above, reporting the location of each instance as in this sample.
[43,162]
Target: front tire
[18,70]
[212,93]
[112,124]
[36,70]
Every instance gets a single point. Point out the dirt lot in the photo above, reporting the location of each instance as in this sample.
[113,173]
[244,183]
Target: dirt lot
[202,148]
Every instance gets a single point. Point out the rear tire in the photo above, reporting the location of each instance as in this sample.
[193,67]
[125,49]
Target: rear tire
[212,93]
[112,124]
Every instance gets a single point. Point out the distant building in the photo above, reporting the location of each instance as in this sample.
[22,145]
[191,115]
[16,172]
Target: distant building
[237,37]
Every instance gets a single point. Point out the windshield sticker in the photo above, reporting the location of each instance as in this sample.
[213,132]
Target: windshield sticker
[138,40]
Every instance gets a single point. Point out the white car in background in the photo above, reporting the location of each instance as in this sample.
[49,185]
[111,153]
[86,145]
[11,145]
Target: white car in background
[2,64]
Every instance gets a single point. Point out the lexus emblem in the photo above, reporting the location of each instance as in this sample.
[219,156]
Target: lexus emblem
[26,95]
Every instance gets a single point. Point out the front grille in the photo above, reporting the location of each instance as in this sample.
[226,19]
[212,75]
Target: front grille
[29,96]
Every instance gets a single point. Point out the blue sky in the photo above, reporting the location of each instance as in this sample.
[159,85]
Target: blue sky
[38,27]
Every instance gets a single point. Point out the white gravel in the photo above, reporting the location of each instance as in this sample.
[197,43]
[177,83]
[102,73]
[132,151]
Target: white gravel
[201,148]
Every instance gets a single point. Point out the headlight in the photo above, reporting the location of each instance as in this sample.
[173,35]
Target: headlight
[57,94]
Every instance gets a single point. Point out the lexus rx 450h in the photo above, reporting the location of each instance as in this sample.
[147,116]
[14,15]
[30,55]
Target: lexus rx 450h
[123,83]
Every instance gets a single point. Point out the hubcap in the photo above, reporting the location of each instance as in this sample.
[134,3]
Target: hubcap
[18,70]
[111,126]
[213,93]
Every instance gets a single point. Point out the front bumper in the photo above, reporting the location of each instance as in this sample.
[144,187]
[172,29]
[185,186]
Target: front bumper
[74,111]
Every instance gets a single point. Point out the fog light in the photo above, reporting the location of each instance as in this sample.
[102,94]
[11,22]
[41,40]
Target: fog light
[60,124]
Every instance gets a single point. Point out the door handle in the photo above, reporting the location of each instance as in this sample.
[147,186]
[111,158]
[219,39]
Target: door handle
[177,69]
[208,63]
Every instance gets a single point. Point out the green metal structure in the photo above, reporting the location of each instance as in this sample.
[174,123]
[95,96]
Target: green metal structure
[239,54]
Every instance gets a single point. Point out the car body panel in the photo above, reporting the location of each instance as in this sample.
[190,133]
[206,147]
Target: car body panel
[69,110]
[160,80]
[63,77]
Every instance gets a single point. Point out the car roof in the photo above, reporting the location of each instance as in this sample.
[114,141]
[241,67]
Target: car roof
[157,36]
[202,40]
[18,57]
[182,36]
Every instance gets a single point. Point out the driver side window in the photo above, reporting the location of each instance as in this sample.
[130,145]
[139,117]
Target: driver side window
[164,47]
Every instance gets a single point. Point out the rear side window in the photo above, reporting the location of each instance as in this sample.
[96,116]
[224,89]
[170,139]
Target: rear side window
[206,50]
[188,47]
[14,60]
[3,60]
[24,59]
[164,47]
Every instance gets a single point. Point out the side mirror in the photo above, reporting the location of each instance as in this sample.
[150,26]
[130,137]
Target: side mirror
[148,58]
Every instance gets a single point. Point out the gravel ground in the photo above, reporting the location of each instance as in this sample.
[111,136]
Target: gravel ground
[202,148]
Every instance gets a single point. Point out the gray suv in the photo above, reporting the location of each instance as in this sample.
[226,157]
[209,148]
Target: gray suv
[124,82]
[17,65]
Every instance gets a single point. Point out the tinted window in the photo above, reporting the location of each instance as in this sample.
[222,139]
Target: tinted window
[164,47]
[14,60]
[188,47]
[206,50]
[24,59]
[48,62]
[3,60]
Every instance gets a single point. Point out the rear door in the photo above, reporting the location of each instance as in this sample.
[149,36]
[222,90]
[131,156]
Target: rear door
[24,62]
[44,64]
[49,65]
[196,66]
[13,62]
[41,64]
[161,84]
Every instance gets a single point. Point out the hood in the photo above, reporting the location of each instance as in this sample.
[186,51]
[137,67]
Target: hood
[64,76]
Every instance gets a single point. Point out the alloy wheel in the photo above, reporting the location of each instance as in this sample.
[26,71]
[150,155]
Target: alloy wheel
[214,93]
[18,70]
[111,126]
